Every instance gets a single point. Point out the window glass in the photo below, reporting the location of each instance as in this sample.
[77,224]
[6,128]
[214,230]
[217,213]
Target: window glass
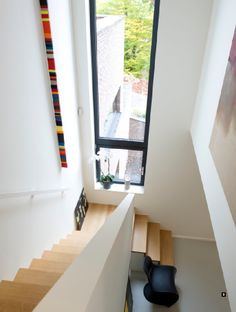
[124,35]
[122,164]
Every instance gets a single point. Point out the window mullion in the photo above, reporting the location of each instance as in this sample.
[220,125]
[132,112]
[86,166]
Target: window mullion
[120,144]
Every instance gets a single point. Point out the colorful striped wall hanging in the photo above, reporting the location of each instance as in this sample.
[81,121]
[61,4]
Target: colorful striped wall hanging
[53,79]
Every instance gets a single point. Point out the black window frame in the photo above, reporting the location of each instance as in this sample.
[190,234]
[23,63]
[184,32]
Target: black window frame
[102,142]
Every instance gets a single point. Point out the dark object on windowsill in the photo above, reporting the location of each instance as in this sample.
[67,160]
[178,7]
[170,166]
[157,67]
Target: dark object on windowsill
[160,288]
[106,185]
[106,180]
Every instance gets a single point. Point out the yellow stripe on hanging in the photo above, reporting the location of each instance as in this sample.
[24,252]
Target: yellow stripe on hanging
[59,129]
[45,19]
[44,11]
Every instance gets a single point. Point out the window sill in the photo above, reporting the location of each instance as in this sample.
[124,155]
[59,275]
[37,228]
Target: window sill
[135,189]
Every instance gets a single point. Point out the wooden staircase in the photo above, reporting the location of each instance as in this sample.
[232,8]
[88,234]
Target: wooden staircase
[149,239]
[31,284]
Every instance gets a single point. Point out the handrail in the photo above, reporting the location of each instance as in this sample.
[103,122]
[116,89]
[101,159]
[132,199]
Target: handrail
[32,193]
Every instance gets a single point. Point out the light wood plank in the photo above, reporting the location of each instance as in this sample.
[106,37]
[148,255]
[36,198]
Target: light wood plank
[167,256]
[8,305]
[73,243]
[140,234]
[36,277]
[153,241]
[49,266]
[67,249]
[59,256]
[80,236]
[20,292]
[96,217]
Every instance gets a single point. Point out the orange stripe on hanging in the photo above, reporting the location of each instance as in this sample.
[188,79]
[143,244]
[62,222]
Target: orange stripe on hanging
[46,27]
[47,36]
[62,152]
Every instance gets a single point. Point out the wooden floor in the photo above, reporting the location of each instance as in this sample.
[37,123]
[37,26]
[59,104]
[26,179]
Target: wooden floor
[31,284]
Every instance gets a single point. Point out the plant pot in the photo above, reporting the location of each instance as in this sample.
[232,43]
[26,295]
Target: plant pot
[106,185]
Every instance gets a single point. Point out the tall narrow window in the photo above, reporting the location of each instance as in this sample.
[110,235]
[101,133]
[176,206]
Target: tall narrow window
[123,41]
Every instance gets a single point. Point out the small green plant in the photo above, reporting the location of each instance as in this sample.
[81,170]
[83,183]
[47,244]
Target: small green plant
[106,178]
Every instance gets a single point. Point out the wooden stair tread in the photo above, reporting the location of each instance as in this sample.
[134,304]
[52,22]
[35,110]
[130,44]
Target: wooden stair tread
[8,305]
[73,242]
[96,217]
[167,256]
[67,249]
[140,233]
[79,235]
[83,237]
[29,276]
[153,241]
[48,265]
[20,292]
[59,256]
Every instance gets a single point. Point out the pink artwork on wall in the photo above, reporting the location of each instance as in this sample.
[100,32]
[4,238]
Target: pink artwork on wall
[223,140]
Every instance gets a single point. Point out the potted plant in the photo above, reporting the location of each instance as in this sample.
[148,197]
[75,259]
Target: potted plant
[106,179]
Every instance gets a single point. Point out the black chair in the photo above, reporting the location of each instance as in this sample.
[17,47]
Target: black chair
[160,288]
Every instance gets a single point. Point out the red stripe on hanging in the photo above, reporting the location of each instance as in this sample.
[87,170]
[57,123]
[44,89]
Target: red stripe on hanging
[44,15]
[51,63]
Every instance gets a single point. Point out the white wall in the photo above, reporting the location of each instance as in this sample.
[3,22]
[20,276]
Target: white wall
[173,191]
[29,154]
[216,57]
[96,280]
